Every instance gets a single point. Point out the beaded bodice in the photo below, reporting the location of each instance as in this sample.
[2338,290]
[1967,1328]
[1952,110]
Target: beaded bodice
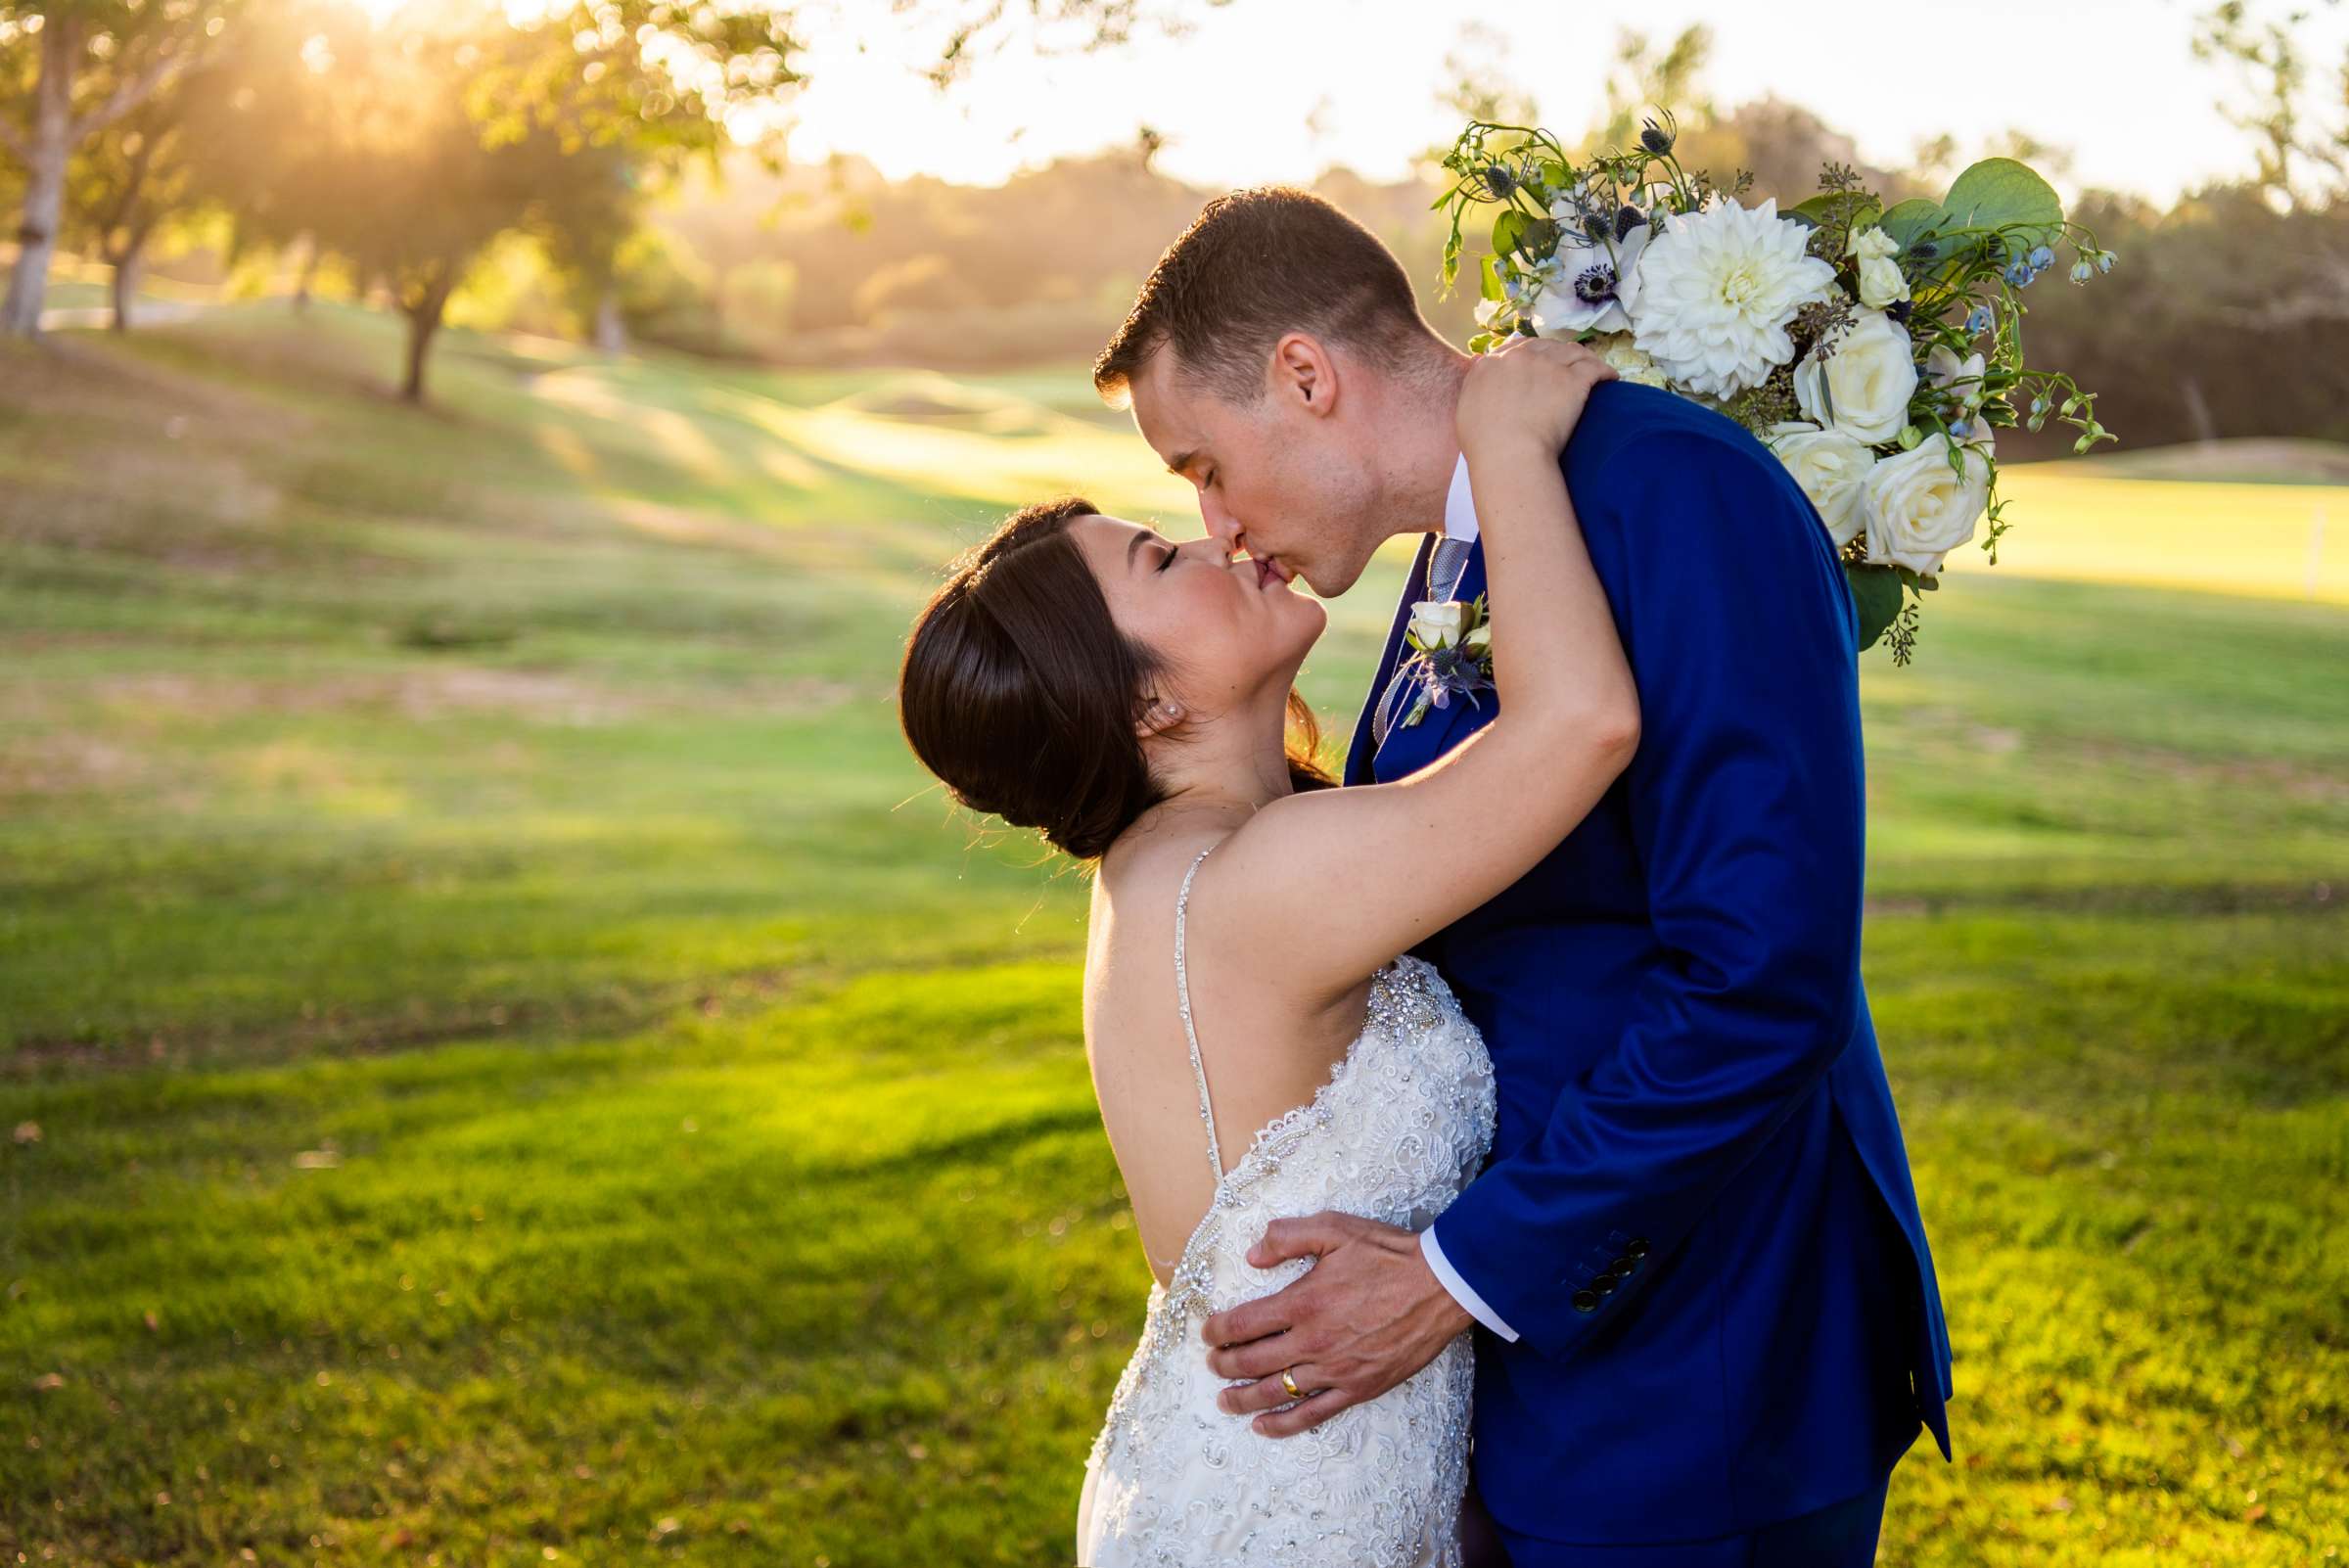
[1402,1126]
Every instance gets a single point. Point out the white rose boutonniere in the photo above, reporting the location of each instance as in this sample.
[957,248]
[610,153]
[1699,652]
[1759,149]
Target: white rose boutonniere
[1437,624]
[1451,655]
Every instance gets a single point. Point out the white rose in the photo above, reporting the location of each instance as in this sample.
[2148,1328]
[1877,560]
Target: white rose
[1829,466]
[1881,283]
[1864,386]
[1945,369]
[1871,243]
[1629,360]
[1438,625]
[1916,510]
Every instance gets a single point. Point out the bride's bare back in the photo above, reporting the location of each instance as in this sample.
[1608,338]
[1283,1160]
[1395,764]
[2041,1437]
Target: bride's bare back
[1272,1046]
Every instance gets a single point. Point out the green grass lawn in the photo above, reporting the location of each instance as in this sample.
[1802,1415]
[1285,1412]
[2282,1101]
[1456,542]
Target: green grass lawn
[509,1062]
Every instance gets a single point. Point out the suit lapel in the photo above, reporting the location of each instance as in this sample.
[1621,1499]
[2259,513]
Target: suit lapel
[1360,749]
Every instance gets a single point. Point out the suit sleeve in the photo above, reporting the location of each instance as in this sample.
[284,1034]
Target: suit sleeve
[1746,802]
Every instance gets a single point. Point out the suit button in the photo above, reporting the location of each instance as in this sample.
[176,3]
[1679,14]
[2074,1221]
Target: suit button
[1586,1301]
[1637,1249]
[1622,1265]
[1605,1284]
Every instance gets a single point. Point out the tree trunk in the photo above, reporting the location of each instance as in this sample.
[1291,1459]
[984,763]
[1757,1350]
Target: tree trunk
[611,332]
[424,320]
[310,271]
[2197,410]
[46,150]
[134,255]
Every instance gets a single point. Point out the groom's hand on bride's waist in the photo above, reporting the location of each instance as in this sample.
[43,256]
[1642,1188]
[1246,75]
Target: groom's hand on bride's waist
[1368,1314]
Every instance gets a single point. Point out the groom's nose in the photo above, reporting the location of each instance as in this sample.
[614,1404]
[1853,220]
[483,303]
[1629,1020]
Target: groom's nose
[1222,525]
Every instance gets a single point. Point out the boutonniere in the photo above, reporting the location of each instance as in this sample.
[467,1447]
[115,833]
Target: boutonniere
[1451,655]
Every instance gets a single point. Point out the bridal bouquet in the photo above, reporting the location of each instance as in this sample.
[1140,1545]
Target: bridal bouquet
[1873,351]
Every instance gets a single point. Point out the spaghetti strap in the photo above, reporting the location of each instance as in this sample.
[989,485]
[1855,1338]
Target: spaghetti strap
[1183,992]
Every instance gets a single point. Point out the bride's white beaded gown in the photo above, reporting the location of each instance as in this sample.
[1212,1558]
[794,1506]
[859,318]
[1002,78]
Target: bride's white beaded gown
[1402,1126]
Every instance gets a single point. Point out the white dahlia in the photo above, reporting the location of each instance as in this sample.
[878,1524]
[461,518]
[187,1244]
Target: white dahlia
[1716,289]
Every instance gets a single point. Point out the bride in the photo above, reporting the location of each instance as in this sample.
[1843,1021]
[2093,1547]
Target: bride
[1126,696]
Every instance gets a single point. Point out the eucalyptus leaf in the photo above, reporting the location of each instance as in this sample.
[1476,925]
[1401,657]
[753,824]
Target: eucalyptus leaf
[1508,231]
[1821,208]
[1877,595]
[1488,279]
[1909,219]
[1998,192]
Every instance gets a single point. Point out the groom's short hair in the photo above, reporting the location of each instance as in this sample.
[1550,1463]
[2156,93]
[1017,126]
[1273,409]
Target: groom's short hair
[1253,265]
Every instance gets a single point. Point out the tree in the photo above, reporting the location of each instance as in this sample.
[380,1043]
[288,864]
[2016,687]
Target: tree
[128,179]
[582,222]
[82,66]
[1642,79]
[2271,68]
[1478,86]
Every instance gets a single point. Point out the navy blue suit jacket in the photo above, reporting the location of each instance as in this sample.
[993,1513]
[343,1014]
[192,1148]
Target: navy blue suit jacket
[1697,1216]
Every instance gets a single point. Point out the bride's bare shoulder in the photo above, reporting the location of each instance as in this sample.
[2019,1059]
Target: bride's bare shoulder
[1143,869]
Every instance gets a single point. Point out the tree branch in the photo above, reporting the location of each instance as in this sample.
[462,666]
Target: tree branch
[133,92]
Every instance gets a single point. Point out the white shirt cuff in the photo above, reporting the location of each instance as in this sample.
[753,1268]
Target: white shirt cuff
[1450,1278]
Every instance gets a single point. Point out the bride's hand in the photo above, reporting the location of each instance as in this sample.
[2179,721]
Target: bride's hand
[1528,390]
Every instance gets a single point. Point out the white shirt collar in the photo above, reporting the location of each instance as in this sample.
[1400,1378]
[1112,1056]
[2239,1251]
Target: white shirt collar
[1460,506]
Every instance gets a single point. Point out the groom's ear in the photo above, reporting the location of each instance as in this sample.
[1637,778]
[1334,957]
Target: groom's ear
[1305,373]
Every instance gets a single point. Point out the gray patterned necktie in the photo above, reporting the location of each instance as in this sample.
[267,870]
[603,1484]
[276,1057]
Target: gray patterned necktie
[1445,569]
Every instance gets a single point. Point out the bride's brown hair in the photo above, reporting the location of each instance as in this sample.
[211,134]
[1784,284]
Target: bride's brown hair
[1021,694]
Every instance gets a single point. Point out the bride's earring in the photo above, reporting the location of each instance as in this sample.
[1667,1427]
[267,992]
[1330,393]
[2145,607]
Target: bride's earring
[1157,715]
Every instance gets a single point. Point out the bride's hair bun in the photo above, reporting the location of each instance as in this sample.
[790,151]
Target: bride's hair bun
[1020,692]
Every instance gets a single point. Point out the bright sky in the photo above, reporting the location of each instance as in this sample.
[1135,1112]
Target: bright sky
[1279,89]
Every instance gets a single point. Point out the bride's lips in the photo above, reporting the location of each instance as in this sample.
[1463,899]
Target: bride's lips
[1269,571]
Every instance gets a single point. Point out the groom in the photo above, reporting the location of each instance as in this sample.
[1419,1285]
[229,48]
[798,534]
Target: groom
[1708,1322]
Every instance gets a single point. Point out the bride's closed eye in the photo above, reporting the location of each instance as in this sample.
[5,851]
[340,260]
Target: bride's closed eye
[1166,560]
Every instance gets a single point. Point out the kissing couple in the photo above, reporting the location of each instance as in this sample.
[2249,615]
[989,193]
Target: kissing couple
[1503,1121]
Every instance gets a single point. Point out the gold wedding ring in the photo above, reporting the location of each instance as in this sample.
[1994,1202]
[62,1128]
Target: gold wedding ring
[1290,1383]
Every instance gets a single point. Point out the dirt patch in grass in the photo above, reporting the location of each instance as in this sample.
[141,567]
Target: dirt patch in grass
[64,762]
